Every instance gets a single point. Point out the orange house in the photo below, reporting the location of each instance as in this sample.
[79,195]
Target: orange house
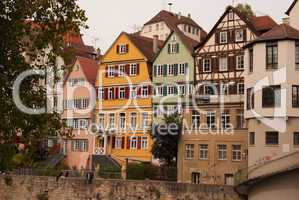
[124,107]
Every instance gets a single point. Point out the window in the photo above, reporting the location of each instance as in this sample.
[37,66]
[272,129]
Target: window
[206,65]
[224,89]
[160,70]
[272,138]
[239,34]
[159,90]
[231,16]
[225,120]
[236,153]
[133,93]
[272,55]
[122,49]
[223,37]
[229,179]
[133,143]
[250,60]
[122,70]
[170,90]
[241,88]
[170,70]
[122,121]
[101,121]
[240,62]
[222,152]
[157,27]
[240,119]
[118,143]
[250,99]
[133,69]
[173,48]
[252,138]
[111,93]
[133,121]
[211,120]
[297,55]
[189,151]
[144,142]
[144,92]
[110,71]
[182,89]
[195,120]
[145,120]
[295,96]
[271,96]
[296,138]
[122,93]
[209,90]
[195,178]
[101,93]
[80,145]
[182,69]
[77,123]
[111,120]
[203,152]
[223,64]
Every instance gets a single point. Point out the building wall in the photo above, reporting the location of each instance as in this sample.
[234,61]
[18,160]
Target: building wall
[294,16]
[282,186]
[160,29]
[212,170]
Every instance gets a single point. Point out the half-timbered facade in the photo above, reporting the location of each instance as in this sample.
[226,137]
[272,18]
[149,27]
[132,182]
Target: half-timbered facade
[214,144]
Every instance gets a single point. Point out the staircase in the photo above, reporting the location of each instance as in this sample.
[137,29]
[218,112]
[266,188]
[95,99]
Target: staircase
[52,161]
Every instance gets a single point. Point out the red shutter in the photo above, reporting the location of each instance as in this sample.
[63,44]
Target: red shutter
[139,143]
[217,38]
[127,91]
[127,48]
[200,65]
[128,142]
[117,49]
[149,90]
[116,71]
[128,70]
[139,91]
[245,35]
[138,70]
[113,142]
[123,142]
[106,93]
[113,94]
[116,93]
[106,71]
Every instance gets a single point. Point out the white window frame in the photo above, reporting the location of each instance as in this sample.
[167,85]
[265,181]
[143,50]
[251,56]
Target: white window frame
[170,90]
[182,90]
[211,115]
[189,151]
[223,37]
[110,93]
[225,120]
[122,49]
[207,65]
[144,142]
[110,71]
[133,92]
[133,142]
[159,90]
[133,121]
[122,121]
[101,92]
[203,152]
[133,69]
[183,69]
[122,93]
[101,121]
[118,143]
[111,120]
[196,118]
[122,70]
[236,153]
[239,86]
[170,70]
[241,38]
[160,70]
[145,120]
[240,62]
[222,152]
[223,64]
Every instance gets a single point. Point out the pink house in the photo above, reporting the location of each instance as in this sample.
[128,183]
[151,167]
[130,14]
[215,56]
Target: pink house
[78,108]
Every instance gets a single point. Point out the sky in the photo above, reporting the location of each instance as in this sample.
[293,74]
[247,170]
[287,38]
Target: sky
[108,18]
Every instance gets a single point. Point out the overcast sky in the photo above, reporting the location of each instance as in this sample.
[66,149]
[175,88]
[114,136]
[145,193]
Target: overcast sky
[107,18]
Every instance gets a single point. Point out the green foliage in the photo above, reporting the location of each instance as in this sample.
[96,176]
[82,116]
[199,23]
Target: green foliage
[136,171]
[30,27]
[42,196]
[245,9]
[8,180]
[109,172]
[165,147]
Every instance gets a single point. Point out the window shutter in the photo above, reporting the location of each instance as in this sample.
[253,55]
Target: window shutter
[217,38]
[138,70]
[113,94]
[164,70]
[186,68]
[175,90]
[128,142]
[127,48]
[106,93]
[155,70]
[127,91]
[178,48]
[123,142]
[139,91]
[169,47]
[117,49]
[200,65]
[116,68]
[149,90]
[127,70]
[113,142]
[116,93]
[106,71]
[165,90]
[176,69]
[139,143]
[245,35]
[214,65]
[233,36]
[232,63]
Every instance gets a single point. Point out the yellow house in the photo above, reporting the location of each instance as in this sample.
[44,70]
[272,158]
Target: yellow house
[124,107]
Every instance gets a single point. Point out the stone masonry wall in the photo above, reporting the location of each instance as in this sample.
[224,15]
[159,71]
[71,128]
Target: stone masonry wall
[46,188]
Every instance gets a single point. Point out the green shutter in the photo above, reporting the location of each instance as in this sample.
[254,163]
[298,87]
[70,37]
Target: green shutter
[178,48]
[176,68]
[169,46]
[155,70]
[175,90]
[165,90]
[164,70]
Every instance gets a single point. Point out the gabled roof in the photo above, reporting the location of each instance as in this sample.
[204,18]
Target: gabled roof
[279,32]
[257,25]
[89,68]
[172,20]
[291,7]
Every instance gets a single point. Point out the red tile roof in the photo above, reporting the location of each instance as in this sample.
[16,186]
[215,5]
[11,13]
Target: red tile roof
[90,68]
[279,32]
[263,23]
[291,7]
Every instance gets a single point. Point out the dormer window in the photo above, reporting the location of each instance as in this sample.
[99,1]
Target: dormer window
[122,49]
[173,38]
[231,16]
[223,37]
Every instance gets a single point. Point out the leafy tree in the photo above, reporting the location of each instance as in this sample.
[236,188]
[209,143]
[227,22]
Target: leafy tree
[246,9]
[166,139]
[31,38]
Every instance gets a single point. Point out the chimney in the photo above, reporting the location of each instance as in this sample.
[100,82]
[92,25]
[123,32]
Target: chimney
[286,21]
[189,15]
[155,44]
[179,15]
